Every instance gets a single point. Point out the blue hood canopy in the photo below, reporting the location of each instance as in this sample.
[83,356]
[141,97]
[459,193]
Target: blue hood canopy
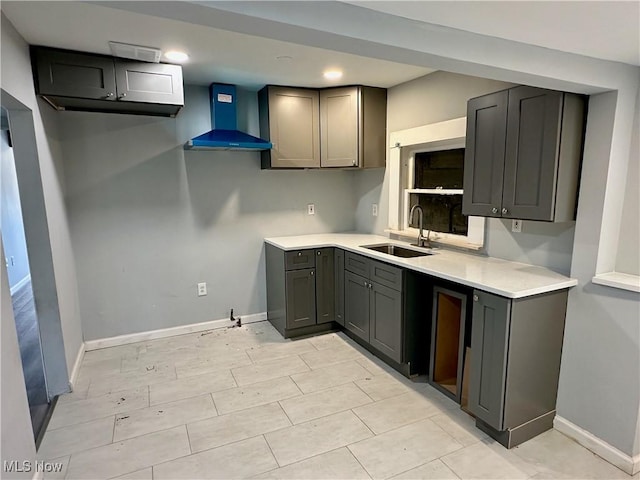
[225,135]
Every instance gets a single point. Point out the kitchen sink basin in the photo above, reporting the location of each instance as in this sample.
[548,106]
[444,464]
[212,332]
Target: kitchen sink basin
[397,250]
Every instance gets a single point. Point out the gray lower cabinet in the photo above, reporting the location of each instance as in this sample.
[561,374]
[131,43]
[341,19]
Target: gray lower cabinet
[70,80]
[522,156]
[515,363]
[300,290]
[374,304]
[301,298]
[339,285]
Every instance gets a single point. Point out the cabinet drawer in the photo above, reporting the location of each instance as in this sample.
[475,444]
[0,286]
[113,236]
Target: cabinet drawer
[357,264]
[386,275]
[297,259]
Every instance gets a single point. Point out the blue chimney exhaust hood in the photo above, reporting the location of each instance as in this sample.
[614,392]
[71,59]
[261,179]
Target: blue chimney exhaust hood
[225,135]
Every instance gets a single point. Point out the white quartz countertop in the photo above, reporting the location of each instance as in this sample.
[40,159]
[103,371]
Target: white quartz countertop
[502,277]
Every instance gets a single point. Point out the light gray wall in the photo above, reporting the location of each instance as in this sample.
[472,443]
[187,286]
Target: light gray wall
[150,220]
[15,244]
[16,441]
[443,96]
[599,386]
[628,260]
[17,80]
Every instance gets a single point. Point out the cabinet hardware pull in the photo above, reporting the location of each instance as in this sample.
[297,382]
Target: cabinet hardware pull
[319,252]
[299,254]
[365,284]
[312,272]
[110,94]
[505,211]
[370,286]
[494,210]
[476,298]
[122,95]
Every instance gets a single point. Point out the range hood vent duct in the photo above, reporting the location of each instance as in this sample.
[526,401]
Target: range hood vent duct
[225,135]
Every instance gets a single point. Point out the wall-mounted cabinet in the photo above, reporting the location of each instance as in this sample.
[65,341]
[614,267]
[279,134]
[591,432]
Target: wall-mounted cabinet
[522,156]
[335,127]
[70,80]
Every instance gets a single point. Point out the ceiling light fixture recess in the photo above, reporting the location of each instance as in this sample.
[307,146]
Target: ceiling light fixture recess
[332,74]
[176,56]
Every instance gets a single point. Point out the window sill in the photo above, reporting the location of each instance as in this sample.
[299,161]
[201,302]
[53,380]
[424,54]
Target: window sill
[439,240]
[623,281]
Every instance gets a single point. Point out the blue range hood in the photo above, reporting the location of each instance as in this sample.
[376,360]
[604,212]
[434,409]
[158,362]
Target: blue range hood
[225,135]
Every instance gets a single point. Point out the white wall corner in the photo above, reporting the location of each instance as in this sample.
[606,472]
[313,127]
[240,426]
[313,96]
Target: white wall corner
[76,366]
[170,332]
[624,462]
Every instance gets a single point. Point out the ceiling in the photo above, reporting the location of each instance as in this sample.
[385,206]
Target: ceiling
[608,30]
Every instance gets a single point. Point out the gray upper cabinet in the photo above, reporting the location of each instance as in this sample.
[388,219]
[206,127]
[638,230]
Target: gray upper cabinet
[81,81]
[149,82]
[522,157]
[353,127]
[289,119]
[515,362]
[330,128]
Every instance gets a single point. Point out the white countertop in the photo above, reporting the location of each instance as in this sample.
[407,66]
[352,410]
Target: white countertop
[508,279]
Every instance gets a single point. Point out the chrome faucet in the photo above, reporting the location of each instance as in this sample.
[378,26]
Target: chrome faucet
[422,240]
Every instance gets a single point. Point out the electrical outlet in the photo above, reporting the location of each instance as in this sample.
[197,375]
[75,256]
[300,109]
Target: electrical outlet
[311,209]
[202,289]
[374,209]
[516,226]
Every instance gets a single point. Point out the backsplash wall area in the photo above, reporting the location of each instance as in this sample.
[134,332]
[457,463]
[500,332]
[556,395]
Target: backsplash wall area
[150,220]
[443,96]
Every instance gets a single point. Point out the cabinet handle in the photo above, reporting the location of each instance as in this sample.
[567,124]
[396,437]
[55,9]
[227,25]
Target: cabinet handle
[299,254]
[505,211]
[476,298]
[494,210]
[312,272]
[319,253]
[370,286]
[354,163]
[366,284]
[122,95]
[110,94]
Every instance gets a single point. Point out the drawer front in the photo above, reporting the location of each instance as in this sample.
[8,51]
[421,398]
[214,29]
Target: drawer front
[386,275]
[298,259]
[357,264]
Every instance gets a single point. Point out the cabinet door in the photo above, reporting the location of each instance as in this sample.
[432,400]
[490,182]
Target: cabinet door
[489,336]
[356,305]
[78,75]
[386,320]
[149,82]
[325,286]
[340,127]
[339,284]
[301,298]
[484,155]
[531,157]
[294,127]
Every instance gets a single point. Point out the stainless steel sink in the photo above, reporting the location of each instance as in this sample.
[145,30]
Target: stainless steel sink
[397,251]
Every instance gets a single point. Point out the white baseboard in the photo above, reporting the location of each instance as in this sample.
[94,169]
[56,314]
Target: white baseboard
[20,284]
[169,332]
[76,366]
[624,462]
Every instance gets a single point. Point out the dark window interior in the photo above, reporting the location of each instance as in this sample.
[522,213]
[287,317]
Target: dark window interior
[441,169]
[442,213]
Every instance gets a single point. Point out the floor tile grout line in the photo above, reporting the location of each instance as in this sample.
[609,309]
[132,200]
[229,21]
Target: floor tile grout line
[272,454]
[358,460]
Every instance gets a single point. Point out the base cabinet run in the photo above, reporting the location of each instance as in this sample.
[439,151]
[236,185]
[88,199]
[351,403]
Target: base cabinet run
[515,363]
[300,290]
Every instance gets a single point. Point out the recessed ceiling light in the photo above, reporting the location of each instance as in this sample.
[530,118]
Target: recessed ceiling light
[176,56]
[333,74]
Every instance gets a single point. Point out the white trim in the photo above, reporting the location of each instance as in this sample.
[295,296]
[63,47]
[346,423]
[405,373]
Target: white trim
[169,332]
[624,462]
[623,281]
[76,366]
[440,134]
[20,284]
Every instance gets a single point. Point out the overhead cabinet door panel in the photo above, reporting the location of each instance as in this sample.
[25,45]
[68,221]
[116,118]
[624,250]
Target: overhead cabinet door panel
[149,82]
[68,74]
[484,154]
[339,127]
[531,165]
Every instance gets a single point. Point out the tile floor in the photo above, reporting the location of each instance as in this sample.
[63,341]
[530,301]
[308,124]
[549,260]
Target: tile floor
[245,403]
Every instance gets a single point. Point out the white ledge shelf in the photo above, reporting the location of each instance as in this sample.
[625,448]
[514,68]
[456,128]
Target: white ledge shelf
[623,281]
